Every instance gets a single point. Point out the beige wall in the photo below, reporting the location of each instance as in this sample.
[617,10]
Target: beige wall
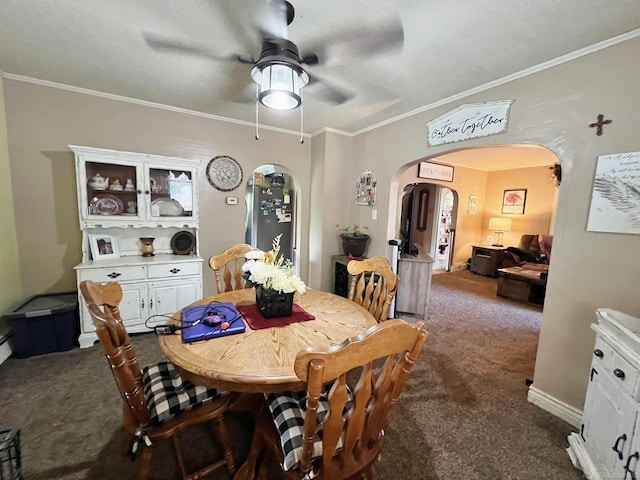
[552,108]
[538,207]
[43,121]
[10,290]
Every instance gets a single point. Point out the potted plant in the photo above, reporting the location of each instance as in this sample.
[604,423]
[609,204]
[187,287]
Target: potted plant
[354,240]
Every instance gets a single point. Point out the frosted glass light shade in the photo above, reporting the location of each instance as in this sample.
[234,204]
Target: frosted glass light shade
[500,224]
[279,85]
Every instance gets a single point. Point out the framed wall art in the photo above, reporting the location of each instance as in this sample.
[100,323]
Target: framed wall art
[103,247]
[615,199]
[366,189]
[513,201]
[423,210]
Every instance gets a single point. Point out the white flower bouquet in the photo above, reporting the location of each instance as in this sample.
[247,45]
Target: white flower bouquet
[272,271]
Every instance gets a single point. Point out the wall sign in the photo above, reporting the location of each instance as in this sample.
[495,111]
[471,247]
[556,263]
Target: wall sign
[468,121]
[435,171]
[615,201]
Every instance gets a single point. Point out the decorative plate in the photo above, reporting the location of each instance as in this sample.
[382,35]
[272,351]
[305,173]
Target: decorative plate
[224,173]
[167,207]
[182,243]
[105,204]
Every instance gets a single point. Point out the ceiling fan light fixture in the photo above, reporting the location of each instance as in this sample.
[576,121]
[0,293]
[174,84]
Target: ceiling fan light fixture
[280,84]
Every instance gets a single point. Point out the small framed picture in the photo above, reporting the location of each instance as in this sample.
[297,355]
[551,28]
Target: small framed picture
[103,247]
[513,201]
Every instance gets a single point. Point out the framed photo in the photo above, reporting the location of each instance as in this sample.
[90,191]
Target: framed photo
[435,171]
[103,247]
[513,201]
[473,205]
[423,204]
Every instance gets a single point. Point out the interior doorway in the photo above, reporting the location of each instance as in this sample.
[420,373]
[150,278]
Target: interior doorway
[444,229]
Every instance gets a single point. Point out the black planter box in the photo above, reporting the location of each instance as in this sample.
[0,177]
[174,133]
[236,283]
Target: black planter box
[44,324]
[272,303]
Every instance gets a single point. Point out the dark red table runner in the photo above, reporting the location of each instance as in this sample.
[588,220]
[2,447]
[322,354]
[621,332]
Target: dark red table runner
[256,321]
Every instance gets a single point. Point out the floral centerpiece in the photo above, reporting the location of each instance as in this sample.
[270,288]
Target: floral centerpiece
[274,279]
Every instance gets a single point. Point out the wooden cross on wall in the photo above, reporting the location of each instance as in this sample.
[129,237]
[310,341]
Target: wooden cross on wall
[600,123]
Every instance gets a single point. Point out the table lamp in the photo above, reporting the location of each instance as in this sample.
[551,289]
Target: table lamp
[499,225]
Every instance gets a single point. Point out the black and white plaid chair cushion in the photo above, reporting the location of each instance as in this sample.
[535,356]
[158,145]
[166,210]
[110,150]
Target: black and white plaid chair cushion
[168,394]
[288,411]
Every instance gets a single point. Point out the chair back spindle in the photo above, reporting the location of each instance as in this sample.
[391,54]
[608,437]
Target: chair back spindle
[227,267]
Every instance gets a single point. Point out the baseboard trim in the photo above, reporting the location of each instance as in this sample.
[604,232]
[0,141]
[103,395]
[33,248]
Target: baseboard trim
[569,414]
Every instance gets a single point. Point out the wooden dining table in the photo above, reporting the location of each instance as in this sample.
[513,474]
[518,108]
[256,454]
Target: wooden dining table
[261,361]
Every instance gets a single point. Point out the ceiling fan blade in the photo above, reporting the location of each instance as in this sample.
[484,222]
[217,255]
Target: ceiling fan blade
[357,45]
[273,18]
[159,42]
[327,92]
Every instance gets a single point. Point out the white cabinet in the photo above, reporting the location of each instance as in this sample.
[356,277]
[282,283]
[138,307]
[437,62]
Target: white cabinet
[153,288]
[129,197]
[609,440]
[133,189]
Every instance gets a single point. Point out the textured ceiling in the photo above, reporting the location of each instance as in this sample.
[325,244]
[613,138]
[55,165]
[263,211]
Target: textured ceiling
[449,47]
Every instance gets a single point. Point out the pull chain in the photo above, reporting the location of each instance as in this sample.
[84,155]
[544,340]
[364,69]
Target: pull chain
[301,116]
[257,102]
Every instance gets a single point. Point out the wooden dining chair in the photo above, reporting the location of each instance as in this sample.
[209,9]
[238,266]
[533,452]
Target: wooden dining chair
[373,285]
[158,403]
[227,267]
[334,429]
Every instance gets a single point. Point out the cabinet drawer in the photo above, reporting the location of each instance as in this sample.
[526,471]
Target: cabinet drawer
[602,354]
[174,270]
[623,373]
[111,274]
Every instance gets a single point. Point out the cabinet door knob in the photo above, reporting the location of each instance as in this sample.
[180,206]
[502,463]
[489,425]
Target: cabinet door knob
[617,447]
[619,373]
[146,192]
[114,275]
[138,192]
[598,353]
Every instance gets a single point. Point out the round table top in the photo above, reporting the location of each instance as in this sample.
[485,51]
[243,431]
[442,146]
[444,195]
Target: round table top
[262,360]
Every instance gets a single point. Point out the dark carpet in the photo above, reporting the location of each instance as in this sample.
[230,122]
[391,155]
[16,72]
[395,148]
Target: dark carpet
[463,414]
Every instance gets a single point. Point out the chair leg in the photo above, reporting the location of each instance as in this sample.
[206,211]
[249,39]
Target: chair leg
[248,469]
[147,453]
[223,436]
[178,449]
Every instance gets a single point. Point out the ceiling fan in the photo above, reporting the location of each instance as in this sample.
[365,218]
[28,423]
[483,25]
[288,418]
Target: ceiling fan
[280,71]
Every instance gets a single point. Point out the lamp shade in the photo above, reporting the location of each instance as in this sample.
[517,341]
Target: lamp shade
[498,224]
[280,84]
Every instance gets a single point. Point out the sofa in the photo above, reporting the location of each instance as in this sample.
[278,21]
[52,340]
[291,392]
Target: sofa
[532,253]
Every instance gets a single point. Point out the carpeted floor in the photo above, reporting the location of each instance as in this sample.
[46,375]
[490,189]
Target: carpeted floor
[463,414]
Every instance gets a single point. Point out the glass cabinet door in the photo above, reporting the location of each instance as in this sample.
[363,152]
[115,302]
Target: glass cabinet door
[171,192]
[111,190]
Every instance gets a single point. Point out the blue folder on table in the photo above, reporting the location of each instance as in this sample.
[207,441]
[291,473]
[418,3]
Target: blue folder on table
[197,321]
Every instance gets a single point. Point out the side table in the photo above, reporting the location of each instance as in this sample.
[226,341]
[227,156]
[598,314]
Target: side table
[340,278]
[485,260]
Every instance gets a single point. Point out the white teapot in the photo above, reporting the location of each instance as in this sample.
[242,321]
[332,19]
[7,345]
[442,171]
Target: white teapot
[98,182]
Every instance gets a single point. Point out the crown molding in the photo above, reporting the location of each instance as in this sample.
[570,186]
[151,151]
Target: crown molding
[509,78]
[120,98]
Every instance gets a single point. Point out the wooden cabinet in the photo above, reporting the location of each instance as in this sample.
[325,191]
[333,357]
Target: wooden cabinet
[129,196]
[486,260]
[415,283]
[608,444]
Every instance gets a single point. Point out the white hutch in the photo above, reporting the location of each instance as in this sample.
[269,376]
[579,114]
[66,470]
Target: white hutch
[123,197]
[608,444]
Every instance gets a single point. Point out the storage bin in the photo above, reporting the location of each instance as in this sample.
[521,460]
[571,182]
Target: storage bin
[10,467]
[44,324]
